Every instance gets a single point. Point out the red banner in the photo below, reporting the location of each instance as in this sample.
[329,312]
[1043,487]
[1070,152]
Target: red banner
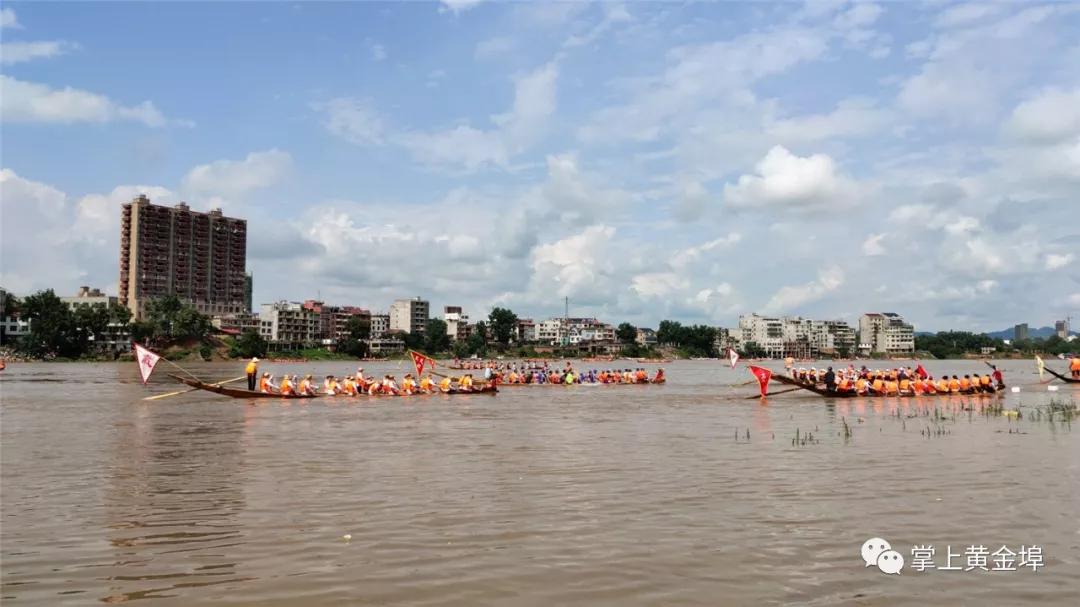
[763,376]
[921,372]
[421,361]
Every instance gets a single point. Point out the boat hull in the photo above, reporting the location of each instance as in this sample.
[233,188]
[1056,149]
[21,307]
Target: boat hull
[238,393]
[825,393]
[1064,378]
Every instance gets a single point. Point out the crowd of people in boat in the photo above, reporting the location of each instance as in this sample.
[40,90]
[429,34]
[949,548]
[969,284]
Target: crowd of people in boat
[543,372]
[902,381]
[359,384]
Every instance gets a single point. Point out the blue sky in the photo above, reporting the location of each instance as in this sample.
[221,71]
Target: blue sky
[648,160]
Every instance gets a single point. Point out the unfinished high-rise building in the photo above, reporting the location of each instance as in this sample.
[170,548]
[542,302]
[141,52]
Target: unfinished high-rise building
[198,257]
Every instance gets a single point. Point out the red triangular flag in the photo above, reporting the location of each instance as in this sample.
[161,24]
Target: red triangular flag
[763,376]
[420,360]
[147,361]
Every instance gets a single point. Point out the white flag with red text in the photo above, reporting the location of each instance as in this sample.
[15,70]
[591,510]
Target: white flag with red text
[147,361]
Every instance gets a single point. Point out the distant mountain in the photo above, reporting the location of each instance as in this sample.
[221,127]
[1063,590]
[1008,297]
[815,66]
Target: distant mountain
[1042,332]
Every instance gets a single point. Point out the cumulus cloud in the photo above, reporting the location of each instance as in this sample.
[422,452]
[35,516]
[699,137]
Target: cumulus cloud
[871,247]
[1051,116]
[8,19]
[23,101]
[790,298]
[19,52]
[462,147]
[577,266]
[239,177]
[786,180]
[1056,261]
[353,120]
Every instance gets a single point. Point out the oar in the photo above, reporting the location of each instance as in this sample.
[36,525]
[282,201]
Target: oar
[773,393]
[168,394]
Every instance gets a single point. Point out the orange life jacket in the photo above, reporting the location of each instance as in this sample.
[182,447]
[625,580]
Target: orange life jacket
[965,384]
[954,385]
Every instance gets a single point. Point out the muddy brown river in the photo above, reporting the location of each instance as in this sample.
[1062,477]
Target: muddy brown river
[683,494]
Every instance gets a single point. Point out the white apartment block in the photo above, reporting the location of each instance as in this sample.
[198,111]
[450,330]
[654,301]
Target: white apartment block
[92,298]
[795,336]
[886,333]
[288,323]
[410,315]
[457,323]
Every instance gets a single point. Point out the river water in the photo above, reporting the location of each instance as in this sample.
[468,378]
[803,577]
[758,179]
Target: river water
[687,493]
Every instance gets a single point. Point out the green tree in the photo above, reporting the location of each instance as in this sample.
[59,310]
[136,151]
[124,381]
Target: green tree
[477,342]
[436,338]
[250,344]
[358,327]
[752,349]
[503,324]
[53,331]
[626,333]
[669,332]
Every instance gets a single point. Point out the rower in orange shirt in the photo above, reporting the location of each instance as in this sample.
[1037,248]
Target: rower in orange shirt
[954,384]
[287,387]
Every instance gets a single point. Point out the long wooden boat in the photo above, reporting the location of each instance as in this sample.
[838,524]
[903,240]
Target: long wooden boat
[823,392]
[1064,378]
[235,392]
[586,384]
[240,393]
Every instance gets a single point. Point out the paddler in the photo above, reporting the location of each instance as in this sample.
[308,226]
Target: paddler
[252,372]
[266,384]
[1074,366]
[427,385]
[306,386]
[446,384]
[287,387]
[998,377]
[659,377]
[408,385]
[466,383]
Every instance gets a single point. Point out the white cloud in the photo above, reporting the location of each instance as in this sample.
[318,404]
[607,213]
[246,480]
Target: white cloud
[658,284]
[8,19]
[239,177]
[789,298]
[614,14]
[574,195]
[965,14]
[467,148]
[871,247]
[1074,299]
[351,119]
[498,46]
[1052,116]
[19,52]
[852,118]
[22,101]
[576,266]
[378,52]
[859,15]
[1055,261]
[458,6]
[689,256]
[786,180]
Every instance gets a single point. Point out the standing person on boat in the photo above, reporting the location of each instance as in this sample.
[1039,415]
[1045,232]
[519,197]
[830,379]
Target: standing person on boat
[998,377]
[252,372]
[1074,366]
[830,380]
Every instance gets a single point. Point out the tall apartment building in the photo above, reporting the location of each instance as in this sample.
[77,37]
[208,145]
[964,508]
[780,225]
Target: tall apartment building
[1061,329]
[410,315]
[198,257]
[1020,332]
[526,330]
[886,333]
[287,322]
[767,332]
[457,323]
[573,331]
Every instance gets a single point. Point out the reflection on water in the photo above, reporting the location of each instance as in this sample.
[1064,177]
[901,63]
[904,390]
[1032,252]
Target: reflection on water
[686,493]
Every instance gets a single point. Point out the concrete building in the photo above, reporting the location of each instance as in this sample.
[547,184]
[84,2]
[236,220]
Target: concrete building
[380,325]
[1061,329]
[198,257]
[645,337]
[573,331]
[333,321]
[1020,332]
[793,336]
[410,315]
[526,330]
[457,323]
[236,323]
[886,333]
[288,323]
[92,298]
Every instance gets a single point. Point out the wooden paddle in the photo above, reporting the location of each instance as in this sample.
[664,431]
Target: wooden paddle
[168,394]
[773,393]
